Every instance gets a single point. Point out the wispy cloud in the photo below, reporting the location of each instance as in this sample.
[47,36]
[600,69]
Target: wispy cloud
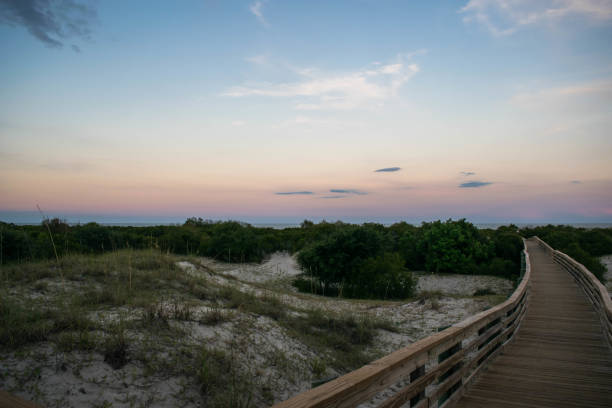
[257,59]
[474,184]
[333,197]
[505,17]
[576,182]
[256,9]
[51,22]
[388,170]
[294,193]
[316,90]
[467,173]
[556,95]
[308,121]
[347,191]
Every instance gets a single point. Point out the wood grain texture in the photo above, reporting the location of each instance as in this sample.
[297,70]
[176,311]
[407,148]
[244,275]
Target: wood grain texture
[11,401]
[559,357]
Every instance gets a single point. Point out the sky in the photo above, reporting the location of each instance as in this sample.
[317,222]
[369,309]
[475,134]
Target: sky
[492,110]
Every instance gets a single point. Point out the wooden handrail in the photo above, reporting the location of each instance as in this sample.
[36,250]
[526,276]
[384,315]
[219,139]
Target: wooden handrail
[595,291]
[12,401]
[431,372]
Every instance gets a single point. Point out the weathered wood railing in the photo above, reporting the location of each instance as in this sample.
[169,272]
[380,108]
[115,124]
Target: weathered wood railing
[596,292]
[432,372]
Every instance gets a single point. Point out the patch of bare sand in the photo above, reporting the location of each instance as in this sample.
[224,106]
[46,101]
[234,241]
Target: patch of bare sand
[461,285]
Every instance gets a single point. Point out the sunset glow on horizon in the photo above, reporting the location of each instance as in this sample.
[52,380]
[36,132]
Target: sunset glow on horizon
[294,110]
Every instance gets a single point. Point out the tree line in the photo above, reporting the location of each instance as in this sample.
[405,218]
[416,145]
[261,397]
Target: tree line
[369,260]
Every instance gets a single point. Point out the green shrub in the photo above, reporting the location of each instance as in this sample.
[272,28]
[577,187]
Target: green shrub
[384,277]
[591,263]
[484,292]
[454,246]
[334,259]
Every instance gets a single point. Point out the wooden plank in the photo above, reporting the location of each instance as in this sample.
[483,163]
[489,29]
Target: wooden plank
[559,357]
[12,401]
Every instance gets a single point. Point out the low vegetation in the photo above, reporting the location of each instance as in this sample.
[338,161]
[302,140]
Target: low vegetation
[366,261]
[138,308]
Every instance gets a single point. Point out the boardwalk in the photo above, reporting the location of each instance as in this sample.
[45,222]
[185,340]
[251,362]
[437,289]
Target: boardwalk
[559,357]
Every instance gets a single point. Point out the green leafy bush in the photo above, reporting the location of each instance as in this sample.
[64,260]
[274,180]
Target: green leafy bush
[454,246]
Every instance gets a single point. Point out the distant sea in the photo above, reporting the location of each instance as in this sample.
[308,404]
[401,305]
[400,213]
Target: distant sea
[34,218]
[478,225]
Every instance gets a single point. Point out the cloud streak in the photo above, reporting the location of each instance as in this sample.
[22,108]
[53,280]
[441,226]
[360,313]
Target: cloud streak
[51,22]
[600,91]
[474,184]
[315,90]
[257,59]
[467,173]
[388,170]
[505,17]
[347,191]
[294,193]
[256,9]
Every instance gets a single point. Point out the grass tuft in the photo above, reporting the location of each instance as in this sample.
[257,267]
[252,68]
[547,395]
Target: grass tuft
[221,381]
[214,316]
[484,292]
[116,346]
[247,302]
[20,325]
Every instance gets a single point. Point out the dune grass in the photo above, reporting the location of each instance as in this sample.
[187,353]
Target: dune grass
[133,307]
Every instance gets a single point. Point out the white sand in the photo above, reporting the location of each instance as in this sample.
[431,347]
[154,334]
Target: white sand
[279,265]
[462,285]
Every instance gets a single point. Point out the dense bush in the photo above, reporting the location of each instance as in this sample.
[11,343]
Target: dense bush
[373,261]
[333,260]
[454,246]
[382,277]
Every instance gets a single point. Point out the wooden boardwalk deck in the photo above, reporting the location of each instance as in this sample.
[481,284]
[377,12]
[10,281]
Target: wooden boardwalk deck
[559,357]
[11,401]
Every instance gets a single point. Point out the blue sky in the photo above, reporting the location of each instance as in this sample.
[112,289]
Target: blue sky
[213,108]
